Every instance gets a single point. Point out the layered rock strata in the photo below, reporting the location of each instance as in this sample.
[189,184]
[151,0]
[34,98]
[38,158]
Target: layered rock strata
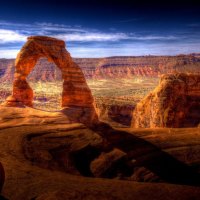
[111,67]
[76,92]
[174,103]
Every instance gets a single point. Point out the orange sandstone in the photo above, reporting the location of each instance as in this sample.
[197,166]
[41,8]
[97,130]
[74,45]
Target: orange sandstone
[175,102]
[76,92]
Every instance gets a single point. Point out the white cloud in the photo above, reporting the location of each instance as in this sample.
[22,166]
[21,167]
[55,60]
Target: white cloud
[12,32]
[123,50]
[8,53]
[154,37]
[122,43]
[11,36]
[132,50]
[74,35]
[87,37]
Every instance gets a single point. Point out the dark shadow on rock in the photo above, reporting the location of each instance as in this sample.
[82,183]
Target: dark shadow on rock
[116,114]
[192,118]
[2,198]
[2,179]
[2,176]
[83,158]
[168,168]
[77,114]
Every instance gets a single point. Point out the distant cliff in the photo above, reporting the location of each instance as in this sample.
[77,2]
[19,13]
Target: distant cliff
[111,67]
[6,68]
[174,103]
[149,66]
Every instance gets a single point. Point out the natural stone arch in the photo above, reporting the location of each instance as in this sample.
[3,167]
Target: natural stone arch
[75,89]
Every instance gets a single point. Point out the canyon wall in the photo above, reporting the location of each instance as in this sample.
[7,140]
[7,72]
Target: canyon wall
[147,66]
[120,114]
[6,68]
[175,102]
[111,67]
[108,68]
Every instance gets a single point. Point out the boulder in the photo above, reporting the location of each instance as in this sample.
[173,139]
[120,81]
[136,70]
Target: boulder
[107,164]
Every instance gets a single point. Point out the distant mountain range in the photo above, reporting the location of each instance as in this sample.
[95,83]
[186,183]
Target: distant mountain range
[110,67]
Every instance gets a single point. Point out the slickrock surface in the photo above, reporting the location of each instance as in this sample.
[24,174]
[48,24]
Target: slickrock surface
[45,158]
[174,103]
[76,93]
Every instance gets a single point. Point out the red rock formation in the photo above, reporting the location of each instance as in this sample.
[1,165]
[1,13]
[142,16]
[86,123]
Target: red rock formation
[45,71]
[174,103]
[88,66]
[121,114]
[111,67]
[6,69]
[34,147]
[2,176]
[146,66]
[75,93]
[107,163]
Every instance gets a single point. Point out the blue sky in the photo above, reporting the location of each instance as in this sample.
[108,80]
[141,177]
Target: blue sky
[103,28]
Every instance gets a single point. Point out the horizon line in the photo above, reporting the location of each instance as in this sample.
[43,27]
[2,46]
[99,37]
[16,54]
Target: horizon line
[146,55]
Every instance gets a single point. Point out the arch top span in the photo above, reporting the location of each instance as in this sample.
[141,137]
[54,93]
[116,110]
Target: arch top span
[76,92]
[46,38]
[42,46]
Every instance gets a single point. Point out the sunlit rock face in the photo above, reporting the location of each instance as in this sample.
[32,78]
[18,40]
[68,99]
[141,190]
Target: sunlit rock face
[76,92]
[111,67]
[174,103]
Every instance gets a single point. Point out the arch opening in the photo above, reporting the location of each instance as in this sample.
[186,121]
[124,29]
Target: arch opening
[46,83]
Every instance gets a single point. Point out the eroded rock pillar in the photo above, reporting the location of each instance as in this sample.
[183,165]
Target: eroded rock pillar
[22,92]
[75,89]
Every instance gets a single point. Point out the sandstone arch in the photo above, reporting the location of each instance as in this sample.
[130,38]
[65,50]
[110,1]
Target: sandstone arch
[76,95]
[75,89]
